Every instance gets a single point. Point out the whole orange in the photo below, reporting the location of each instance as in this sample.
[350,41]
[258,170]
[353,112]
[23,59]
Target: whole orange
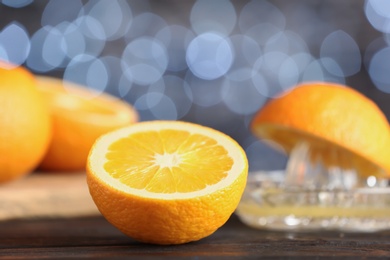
[25,126]
[328,116]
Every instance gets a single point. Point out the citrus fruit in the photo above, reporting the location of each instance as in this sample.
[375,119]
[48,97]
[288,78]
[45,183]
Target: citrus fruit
[79,116]
[328,116]
[166,182]
[25,128]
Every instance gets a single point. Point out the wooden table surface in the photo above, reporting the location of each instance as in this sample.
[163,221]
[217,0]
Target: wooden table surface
[94,237]
[53,217]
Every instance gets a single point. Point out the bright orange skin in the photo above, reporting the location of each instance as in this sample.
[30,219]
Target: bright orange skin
[330,112]
[25,124]
[167,220]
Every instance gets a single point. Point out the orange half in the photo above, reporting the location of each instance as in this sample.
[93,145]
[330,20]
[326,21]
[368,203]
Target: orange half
[79,117]
[167,182]
[332,119]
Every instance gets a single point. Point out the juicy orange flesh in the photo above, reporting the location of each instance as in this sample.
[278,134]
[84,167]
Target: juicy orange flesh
[167,161]
[71,102]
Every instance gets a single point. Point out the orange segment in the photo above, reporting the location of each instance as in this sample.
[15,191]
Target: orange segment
[166,182]
[79,117]
[328,116]
[186,161]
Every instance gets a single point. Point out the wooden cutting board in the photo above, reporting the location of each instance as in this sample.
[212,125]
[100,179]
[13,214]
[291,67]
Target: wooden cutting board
[43,195]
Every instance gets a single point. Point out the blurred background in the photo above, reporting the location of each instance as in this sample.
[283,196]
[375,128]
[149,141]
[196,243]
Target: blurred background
[211,62]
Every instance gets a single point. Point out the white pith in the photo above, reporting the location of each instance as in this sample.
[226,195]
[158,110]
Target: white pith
[167,160]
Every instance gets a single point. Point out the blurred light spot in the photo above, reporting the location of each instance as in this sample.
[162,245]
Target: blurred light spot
[263,157]
[332,66]
[115,17]
[156,87]
[256,13]
[88,71]
[164,109]
[93,32]
[125,83]
[17,3]
[3,54]
[248,47]
[313,72]
[241,96]
[378,14]
[302,59]
[57,12]
[287,42]
[278,70]
[177,90]
[386,38]
[377,44]
[114,70]
[342,48]
[53,48]
[176,39]
[277,42]
[378,69]
[148,100]
[209,56]
[292,220]
[240,74]
[73,41]
[205,93]
[272,61]
[250,51]
[145,24]
[217,16]
[146,60]
[15,42]
[261,84]
[288,73]
[91,27]
[35,59]
[62,43]
[316,72]
[262,32]
[371,181]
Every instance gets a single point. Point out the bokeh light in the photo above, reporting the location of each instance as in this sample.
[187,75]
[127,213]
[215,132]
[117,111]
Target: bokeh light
[146,60]
[342,49]
[57,12]
[209,56]
[216,16]
[114,16]
[16,3]
[15,43]
[378,69]
[212,62]
[378,14]
[88,71]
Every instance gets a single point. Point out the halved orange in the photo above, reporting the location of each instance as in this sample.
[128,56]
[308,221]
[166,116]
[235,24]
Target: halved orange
[79,116]
[329,116]
[166,182]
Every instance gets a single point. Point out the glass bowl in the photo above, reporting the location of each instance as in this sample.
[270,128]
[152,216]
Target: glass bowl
[310,195]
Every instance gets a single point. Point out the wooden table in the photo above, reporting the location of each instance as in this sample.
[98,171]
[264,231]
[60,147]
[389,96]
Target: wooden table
[94,237]
[47,216]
